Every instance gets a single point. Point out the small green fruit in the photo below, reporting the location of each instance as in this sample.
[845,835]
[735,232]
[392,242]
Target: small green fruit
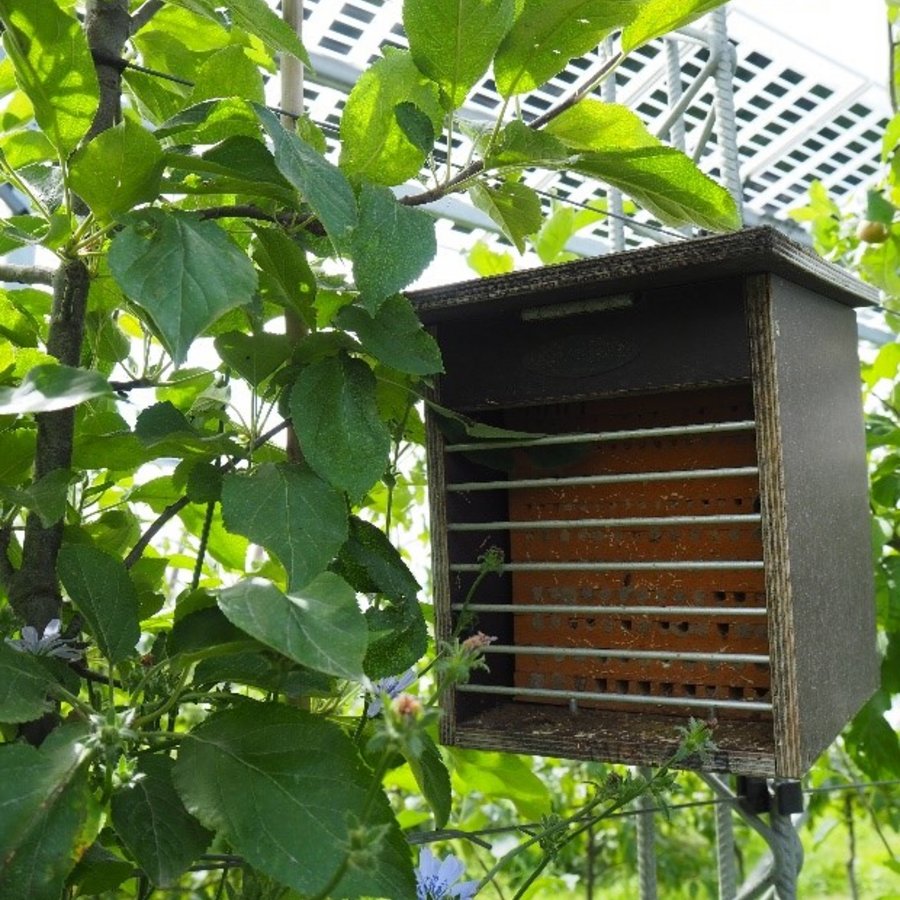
[872,232]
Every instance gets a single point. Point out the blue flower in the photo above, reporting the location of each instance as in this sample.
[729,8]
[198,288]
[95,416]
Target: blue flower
[436,879]
[391,686]
[48,644]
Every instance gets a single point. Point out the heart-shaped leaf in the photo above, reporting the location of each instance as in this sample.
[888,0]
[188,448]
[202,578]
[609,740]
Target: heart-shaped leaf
[291,512]
[319,625]
[48,387]
[49,813]
[104,594]
[151,820]
[395,336]
[253,356]
[284,788]
[335,416]
[392,245]
[184,272]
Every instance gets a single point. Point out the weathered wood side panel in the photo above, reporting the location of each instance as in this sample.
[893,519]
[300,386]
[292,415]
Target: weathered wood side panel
[826,510]
[776,550]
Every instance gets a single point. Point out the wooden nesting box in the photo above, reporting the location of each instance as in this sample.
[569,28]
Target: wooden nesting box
[689,536]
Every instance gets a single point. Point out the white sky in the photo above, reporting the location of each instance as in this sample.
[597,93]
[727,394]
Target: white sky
[851,31]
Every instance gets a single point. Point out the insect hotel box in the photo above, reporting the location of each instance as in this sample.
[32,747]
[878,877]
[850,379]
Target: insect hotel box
[681,506]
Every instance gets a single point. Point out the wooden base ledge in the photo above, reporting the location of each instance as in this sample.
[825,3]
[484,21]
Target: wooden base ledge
[743,747]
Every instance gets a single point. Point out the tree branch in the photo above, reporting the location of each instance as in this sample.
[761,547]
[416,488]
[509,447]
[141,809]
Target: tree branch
[477,167]
[25,274]
[286,218]
[242,211]
[144,13]
[6,567]
[107,25]
[33,590]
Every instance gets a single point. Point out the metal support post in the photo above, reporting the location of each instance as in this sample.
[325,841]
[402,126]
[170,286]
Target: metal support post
[646,844]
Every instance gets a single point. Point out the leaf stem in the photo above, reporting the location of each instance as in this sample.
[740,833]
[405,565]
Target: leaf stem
[171,701]
[204,541]
[334,880]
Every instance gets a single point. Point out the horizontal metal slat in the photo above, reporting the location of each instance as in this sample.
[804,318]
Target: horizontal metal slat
[588,480]
[634,522]
[642,566]
[605,436]
[600,653]
[643,699]
[670,612]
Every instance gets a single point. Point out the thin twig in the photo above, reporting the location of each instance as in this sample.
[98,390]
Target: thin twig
[173,509]
[585,90]
[204,541]
[122,387]
[6,567]
[238,211]
[90,675]
[144,13]
[25,274]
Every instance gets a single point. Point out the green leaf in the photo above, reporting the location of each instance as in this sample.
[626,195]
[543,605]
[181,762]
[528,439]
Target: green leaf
[374,144]
[416,126]
[149,817]
[263,670]
[204,483]
[372,565]
[392,246]
[873,742]
[617,148]
[49,814]
[207,633]
[161,420]
[49,387]
[253,356]
[23,686]
[516,208]
[212,120]
[336,419]
[255,17]
[47,496]
[117,170]
[658,17]
[319,625]
[398,638]
[99,870]
[456,426]
[592,125]
[53,67]
[99,586]
[185,273]
[496,775]
[286,278]
[284,788]
[485,261]
[433,779]
[292,513]
[245,157]
[878,209]
[666,183]
[454,41]
[26,147]
[394,336]
[321,184]
[545,36]
[228,73]
[519,146]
